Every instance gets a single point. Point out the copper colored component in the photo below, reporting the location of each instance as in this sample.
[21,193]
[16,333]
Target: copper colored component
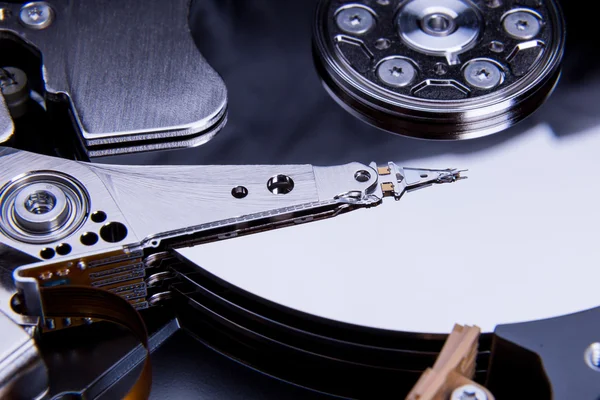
[383,170]
[388,189]
[454,367]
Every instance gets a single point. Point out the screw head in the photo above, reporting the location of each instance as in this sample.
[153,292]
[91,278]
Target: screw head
[483,74]
[36,15]
[522,25]
[468,392]
[592,356]
[396,72]
[355,20]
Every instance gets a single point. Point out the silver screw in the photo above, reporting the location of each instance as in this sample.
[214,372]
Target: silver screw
[468,392]
[82,265]
[483,74]
[355,20]
[592,356]
[37,15]
[396,72]
[522,25]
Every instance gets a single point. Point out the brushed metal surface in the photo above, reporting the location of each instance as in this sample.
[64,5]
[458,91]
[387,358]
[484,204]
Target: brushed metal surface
[131,71]
[23,373]
[7,127]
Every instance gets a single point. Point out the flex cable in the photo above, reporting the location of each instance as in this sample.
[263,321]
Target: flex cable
[85,302]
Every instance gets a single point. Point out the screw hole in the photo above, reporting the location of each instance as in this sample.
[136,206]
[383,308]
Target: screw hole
[441,69]
[280,184]
[40,202]
[497,47]
[113,232]
[362,176]
[424,176]
[63,249]
[493,3]
[89,239]
[382,44]
[239,192]
[99,217]
[47,253]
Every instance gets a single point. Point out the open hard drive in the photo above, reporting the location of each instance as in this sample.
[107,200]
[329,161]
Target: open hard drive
[199,199]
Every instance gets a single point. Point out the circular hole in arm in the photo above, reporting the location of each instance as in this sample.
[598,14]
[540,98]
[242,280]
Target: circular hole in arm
[89,239]
[99,217]
[280,184]
[113,232]
[239,192]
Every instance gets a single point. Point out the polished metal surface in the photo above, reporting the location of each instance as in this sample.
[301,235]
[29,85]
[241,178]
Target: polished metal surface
[130,70]
[592,356]
[396,72]
[468,392]
[483,74]
[355,19]
[441,38]
[522,24]
[23,374]
[15,90]
[41,207]
[36,15]
[439,27]
[7,127]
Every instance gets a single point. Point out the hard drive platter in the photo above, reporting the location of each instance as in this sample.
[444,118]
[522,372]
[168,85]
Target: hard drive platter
[336,304]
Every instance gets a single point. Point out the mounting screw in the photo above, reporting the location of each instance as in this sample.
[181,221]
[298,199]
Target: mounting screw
[483,74]
[522,25]
[468,392]
[396,72]
[355,20]
[592,356]
[36,15]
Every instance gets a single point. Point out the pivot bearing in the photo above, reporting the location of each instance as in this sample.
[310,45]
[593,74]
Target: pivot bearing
[42,207]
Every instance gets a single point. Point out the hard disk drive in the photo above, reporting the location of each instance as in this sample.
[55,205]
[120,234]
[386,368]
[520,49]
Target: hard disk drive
[222,199]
